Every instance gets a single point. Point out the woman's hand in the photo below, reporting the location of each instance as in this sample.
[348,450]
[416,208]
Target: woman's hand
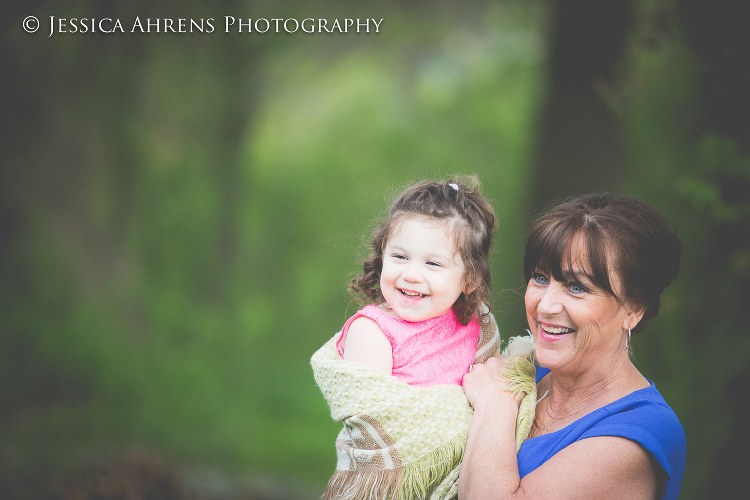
[489,468]
[485,384]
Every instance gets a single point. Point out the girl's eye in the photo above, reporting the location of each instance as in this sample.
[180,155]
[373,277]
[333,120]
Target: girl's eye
[540,279]
[577,288]
[398,256]
[436,264]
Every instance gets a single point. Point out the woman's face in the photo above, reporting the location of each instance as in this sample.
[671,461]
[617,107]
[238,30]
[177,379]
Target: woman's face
[575,324]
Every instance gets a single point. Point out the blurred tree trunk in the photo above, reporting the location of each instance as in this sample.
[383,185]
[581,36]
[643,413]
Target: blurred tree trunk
[719,39]
[578,147]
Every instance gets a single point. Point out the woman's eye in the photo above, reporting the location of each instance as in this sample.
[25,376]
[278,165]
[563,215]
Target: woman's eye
[577,288]
[540,279]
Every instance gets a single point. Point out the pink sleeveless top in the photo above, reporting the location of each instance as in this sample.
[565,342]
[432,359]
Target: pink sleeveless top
[431,352]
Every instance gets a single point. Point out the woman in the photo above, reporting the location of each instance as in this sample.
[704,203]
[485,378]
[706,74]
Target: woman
[595,267]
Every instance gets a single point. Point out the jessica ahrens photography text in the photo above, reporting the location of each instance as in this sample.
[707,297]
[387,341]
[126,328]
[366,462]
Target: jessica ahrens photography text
[225,24]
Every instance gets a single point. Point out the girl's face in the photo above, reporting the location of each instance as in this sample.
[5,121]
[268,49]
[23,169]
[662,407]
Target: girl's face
[422,275]
[575,324]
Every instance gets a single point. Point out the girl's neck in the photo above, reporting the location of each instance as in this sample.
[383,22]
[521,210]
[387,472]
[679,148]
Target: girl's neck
[387,310]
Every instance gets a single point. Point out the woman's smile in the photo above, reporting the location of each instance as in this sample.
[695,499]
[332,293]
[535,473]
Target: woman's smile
[556,330]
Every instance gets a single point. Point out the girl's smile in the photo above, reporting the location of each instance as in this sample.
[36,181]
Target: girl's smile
[422,275]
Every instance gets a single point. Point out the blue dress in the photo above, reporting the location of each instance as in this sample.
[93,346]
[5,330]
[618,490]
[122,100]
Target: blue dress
[642,416]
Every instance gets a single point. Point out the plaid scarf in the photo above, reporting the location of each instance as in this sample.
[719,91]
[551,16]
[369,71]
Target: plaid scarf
[401,442]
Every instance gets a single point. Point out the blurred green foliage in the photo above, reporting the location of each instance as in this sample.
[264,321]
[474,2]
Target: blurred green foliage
[192,208]
[185,212]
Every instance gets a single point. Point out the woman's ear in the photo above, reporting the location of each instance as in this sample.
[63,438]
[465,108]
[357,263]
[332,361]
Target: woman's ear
[633,317]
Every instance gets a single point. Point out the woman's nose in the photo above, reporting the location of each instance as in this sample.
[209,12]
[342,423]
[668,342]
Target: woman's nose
[549,302]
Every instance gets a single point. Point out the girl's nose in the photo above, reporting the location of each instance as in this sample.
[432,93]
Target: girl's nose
[412,274]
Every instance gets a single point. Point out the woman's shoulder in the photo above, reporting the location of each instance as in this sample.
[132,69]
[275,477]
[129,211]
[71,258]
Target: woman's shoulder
[646,415]
[645,418]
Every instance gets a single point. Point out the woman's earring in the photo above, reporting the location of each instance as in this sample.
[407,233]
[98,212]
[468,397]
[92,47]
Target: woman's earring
[627,341]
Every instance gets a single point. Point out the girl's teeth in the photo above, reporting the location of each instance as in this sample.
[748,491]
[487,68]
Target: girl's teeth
[412,294]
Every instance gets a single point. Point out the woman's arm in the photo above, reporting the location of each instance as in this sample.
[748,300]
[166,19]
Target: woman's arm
[366,343]
[601,467]
[607,467]
[489,468]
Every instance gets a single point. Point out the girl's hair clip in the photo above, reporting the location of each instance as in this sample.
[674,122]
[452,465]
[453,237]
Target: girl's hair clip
[453,185]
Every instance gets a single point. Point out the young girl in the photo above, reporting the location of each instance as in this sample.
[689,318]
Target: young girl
[427,277]
[393,374]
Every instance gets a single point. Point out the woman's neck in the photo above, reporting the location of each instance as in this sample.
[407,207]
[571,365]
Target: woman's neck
[568,398]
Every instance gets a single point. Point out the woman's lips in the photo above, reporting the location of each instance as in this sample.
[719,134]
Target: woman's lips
[552,332]
[555,330]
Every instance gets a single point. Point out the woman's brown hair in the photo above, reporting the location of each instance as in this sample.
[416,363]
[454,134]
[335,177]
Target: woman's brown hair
[642,242]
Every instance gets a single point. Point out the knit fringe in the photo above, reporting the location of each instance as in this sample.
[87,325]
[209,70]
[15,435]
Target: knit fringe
[522,375]
[421,477]
[413,481]
[361,485]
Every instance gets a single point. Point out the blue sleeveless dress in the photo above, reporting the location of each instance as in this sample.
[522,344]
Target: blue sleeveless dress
[642,416]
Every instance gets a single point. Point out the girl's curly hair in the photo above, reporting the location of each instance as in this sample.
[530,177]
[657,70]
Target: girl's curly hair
[467,216]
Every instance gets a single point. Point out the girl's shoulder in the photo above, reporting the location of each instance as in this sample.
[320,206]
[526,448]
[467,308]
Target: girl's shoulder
[372,312]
